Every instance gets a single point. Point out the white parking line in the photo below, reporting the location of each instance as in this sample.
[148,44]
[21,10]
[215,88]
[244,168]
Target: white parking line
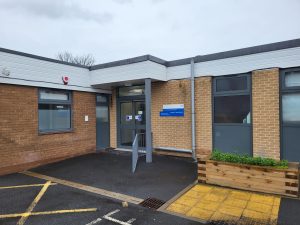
[131,220]
[108,217]
[94,221]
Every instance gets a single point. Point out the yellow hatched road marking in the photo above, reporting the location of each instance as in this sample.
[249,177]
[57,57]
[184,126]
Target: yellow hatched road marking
[24,186]
[47,213]
[33,204]
[115,195]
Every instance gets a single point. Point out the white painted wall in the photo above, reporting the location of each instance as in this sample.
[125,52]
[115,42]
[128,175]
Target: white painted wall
[135,71]
[34,72]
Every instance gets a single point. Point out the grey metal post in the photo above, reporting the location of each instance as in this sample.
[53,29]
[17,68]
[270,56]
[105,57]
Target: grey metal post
[193,108]
[148,121]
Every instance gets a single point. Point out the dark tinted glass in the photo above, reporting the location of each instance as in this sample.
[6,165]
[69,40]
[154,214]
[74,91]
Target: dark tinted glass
[231,84]
[291,107]
[54,117]
[101,99]
[132,91]
[232,109]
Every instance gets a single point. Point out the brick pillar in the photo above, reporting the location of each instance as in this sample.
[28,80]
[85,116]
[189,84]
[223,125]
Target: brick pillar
[265,109]
[113,119]
[203,110]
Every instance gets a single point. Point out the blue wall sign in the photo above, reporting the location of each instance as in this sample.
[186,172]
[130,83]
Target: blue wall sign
[172,110]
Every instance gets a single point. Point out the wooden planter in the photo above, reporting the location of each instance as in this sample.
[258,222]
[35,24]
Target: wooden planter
[248,177]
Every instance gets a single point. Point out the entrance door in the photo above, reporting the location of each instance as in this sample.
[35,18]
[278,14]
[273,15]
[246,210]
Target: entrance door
[132,121]
[102,121]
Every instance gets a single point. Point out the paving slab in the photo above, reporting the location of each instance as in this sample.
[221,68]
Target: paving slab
[219,205]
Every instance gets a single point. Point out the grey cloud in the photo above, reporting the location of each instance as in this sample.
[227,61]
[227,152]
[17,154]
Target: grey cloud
[55,9]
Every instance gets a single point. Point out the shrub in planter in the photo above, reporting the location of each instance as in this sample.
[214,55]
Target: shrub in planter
[245,159]
[250,173]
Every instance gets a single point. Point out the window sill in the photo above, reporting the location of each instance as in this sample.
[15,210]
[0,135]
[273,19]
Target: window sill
[56,132]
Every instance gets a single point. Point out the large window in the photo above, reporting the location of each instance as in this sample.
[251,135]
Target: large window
[54,110]
[232,127]
[290,114]
[291,97]
[232,109]
[232,100]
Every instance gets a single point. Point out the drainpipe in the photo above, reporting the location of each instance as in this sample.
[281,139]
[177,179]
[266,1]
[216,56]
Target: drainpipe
[193,109]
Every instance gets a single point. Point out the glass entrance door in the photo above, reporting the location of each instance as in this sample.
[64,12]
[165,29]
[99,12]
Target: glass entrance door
[132,121]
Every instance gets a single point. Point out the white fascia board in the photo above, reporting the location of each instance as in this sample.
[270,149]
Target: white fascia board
[40,73]
[32,83]
[134,71]
[281,58]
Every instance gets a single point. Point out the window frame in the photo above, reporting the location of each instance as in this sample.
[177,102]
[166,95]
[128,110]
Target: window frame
[216,93]
[229,93]
[287,90]
[53,101]
[284,88]
[130,96]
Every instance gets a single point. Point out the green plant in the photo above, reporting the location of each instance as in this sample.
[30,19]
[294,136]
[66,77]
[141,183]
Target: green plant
[246,159]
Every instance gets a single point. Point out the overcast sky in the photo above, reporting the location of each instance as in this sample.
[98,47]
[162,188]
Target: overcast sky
[169,29]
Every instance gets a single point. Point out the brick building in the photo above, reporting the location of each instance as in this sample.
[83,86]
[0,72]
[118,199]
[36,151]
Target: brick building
[245,101]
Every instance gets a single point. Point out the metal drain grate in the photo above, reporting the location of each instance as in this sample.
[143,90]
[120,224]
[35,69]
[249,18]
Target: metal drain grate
[152,203]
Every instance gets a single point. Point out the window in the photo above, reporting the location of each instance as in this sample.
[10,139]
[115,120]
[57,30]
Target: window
[291,107]
[292,79]
[101,99]
[232,101]
[132,91]
[54,110]
[232,109]
[231,84]
[290,96]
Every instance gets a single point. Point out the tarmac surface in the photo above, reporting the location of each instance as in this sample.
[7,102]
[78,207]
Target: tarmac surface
[72,196]
[61,205]
[32,201]
[161,179]
[289,212]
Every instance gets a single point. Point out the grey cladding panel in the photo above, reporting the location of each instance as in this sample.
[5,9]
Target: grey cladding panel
[291,143]
[233,138]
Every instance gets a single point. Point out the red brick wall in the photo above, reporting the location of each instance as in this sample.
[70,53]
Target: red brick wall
[22,147]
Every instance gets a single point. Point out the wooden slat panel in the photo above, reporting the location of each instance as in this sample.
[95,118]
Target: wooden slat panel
[253,184]
[293,169]
[246,170]
[263,178]
[248,177]
[224,184]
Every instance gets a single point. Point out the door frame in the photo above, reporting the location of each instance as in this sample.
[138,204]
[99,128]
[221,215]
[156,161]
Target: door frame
[125,99]
[108,96]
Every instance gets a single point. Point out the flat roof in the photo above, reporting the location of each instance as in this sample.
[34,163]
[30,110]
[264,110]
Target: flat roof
[201,58]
